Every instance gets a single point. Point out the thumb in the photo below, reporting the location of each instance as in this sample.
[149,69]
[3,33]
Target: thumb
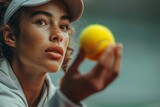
[80,57]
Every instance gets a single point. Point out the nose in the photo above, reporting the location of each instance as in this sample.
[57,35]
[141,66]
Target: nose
[56,36]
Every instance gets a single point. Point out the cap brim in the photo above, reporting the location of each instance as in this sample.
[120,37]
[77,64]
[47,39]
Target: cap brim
[35,2]
[75,7]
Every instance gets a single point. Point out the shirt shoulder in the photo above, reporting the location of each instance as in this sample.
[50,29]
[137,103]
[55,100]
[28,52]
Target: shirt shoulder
[10,94]
[10,98]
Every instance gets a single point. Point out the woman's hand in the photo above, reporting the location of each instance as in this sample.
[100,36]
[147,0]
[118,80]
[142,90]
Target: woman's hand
[77,86]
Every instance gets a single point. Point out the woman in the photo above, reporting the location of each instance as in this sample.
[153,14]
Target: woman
[35,39]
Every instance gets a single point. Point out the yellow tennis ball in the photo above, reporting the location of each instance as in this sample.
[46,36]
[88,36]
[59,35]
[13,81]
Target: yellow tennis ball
[94,39]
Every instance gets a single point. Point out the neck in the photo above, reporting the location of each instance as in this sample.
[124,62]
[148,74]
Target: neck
[31,81]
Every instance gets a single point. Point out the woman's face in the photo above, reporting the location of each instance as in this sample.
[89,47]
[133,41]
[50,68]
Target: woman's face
[44,36]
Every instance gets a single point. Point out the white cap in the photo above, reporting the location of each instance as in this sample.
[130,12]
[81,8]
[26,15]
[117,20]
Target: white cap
[75,7]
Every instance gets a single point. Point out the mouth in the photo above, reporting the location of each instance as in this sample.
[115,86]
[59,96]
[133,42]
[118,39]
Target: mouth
[54,52]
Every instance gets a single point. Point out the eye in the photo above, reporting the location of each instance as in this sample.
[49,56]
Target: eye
[40,22]
[64,27]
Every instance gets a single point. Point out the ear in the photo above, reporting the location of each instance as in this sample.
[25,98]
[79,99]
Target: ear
[8,36]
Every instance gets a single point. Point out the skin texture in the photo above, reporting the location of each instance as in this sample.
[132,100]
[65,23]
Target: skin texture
[30,61]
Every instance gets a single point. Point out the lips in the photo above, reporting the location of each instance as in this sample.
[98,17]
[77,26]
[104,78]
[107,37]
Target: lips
[54,52]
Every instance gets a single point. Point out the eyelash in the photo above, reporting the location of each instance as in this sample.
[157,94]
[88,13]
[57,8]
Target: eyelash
[41,22]
[67,27]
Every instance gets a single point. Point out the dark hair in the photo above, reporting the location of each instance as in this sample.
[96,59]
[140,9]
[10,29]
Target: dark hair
[5,50]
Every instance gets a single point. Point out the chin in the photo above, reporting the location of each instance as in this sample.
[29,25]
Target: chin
[53,68]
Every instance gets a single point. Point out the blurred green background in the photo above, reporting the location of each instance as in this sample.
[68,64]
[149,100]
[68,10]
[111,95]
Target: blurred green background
[136,24]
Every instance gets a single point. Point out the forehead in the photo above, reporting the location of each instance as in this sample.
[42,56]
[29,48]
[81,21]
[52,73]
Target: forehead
[51,7]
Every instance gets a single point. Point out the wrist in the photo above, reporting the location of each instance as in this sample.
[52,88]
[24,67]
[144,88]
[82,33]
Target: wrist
[71,97]
[71,102]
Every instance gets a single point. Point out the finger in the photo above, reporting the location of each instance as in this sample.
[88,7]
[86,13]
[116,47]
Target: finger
[104,62]
[101,75]
[117,61]
[107,57]
[111,68]
[80,57]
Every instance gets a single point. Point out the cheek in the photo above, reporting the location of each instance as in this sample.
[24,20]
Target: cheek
[66,41]
[31,44]
[32,35]
[32,38]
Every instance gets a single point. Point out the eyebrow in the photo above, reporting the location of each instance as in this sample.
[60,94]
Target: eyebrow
[65,17]
[41,12]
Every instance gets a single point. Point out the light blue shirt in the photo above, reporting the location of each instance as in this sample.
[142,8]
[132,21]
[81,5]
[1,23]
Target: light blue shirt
[11,93]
